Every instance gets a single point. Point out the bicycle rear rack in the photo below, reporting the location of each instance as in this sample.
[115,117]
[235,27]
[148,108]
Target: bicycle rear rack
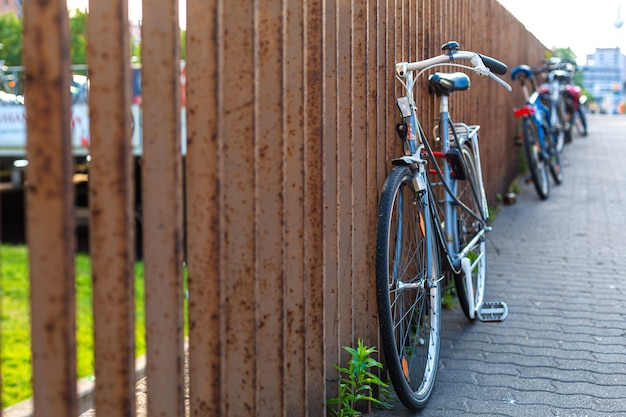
[461,130]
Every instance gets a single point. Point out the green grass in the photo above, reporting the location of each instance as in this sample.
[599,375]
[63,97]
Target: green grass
[15,334]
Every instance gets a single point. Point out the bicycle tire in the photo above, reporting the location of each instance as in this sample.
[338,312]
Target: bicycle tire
[558,136]
[554,158]
[535,160]
[581,122]
[565,119]
[472,195]
[408,300]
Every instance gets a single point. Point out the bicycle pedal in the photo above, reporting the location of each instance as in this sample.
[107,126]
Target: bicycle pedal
[492,311]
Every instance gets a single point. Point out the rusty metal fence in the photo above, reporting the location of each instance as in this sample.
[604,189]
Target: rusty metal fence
[290,114]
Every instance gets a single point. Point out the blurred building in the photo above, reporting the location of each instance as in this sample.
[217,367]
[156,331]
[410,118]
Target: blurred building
[11,6]
[604,76]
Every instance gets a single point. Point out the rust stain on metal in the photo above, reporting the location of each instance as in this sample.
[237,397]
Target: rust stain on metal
[289,115]
[111,200]
[49,210]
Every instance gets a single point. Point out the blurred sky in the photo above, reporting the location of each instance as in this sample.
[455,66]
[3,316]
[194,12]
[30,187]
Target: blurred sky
[582,25]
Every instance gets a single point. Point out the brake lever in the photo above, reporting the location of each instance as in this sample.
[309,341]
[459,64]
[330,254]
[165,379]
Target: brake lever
[500,81]
[479,66]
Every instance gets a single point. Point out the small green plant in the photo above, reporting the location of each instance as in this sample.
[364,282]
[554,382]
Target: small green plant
[514,187]
[448,297]
[356,383]
[492,213]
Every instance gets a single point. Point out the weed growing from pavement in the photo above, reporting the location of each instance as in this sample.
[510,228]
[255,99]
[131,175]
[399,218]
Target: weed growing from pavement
[356,382]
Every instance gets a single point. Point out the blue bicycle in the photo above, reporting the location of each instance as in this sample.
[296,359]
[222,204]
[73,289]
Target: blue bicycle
[538,135]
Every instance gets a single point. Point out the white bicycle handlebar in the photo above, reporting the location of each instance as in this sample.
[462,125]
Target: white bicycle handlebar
[402,68]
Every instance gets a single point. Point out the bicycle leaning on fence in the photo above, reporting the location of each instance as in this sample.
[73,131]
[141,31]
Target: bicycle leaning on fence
[538,137]
[551,95]
[432,221]
[574,98]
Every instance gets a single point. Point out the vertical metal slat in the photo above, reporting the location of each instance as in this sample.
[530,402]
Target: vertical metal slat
[313,239]
[329,194]
[270,228]
[203,208]
[238,81]
[162,207]
[111,201]
[49,208]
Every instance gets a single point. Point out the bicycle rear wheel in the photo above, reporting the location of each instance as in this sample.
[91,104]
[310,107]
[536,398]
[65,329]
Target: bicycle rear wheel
[565,119]
[469,225]
[408,291]
[581,122]
[558,137]
[535,159]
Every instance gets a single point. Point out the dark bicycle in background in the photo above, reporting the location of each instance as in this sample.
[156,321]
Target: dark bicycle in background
[538,136]
[551,96]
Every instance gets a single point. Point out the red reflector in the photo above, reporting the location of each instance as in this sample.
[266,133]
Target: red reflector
[523,111]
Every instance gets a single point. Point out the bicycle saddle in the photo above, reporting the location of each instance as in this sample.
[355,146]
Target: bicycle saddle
[521,70]
[444,83]
[561,75]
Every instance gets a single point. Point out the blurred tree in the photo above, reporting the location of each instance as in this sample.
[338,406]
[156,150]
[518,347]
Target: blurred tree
[565,53]
[78,37]
[11,40]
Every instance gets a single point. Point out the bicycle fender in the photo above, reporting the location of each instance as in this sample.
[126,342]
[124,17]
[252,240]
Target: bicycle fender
[407,161]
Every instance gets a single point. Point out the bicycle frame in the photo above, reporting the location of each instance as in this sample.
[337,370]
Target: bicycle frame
[533,109]
[552,95]
[552,91]
[431,204]
[530,111]
[418,153]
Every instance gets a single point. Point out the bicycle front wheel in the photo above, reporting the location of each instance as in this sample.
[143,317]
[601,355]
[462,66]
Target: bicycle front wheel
[535,159]
[408,289]
[470,223]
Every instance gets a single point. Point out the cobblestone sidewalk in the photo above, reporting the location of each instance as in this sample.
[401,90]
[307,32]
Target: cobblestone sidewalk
[560,265]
